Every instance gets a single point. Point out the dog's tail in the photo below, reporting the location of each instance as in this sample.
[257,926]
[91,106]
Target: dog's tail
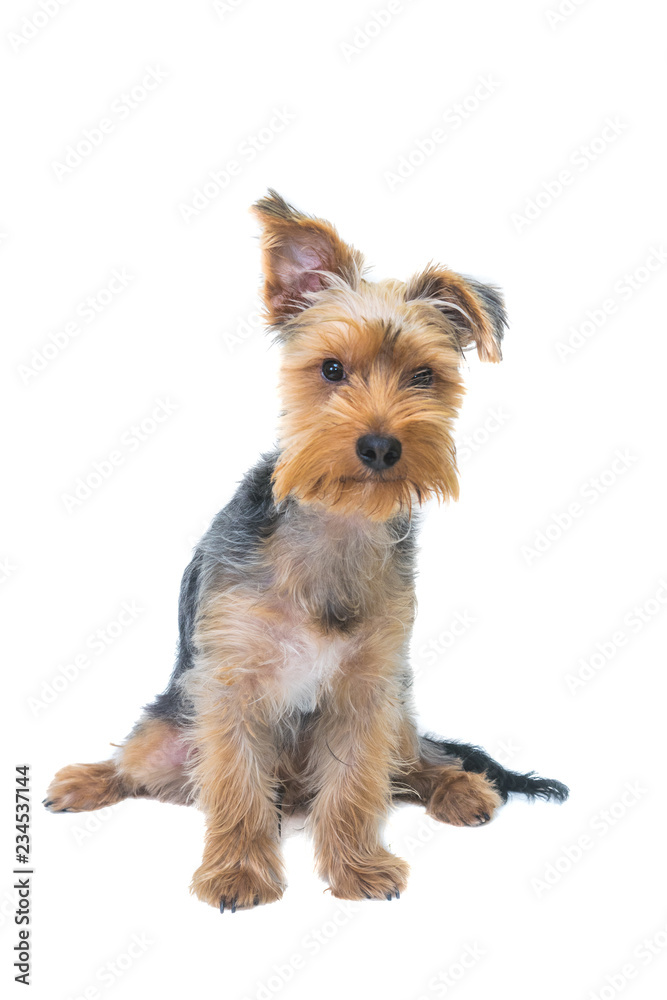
[475,759]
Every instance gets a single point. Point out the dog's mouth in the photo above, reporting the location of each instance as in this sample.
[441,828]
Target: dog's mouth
[373,477]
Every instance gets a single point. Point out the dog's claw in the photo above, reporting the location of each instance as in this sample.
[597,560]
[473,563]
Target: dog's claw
[398,894]
[228,905]
[390,896]
[47,803]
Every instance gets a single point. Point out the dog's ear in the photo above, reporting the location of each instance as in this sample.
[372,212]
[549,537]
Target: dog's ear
[475,311]
[299,255]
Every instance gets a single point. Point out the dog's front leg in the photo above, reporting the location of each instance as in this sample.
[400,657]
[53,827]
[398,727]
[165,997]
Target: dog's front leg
[356,749]
[233,774]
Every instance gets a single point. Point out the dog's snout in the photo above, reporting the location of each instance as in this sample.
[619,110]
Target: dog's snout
[378,452]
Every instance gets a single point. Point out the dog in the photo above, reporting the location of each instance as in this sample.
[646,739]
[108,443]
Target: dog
[292,687]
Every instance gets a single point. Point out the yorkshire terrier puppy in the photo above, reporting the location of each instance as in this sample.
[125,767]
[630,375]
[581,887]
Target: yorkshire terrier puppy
[292,687]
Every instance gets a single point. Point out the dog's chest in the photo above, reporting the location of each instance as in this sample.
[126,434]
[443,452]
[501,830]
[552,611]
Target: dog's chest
[335,569]
[328,576]
[309,666]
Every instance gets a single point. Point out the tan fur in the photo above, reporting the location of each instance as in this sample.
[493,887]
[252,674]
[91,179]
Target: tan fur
[451,794]
[474,325]
[149,764]
[262,657]
[299,688]
[359,743]
[318,461]
[83,787]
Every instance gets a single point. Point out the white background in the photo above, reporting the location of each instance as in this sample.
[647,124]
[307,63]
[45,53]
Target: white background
[535,916]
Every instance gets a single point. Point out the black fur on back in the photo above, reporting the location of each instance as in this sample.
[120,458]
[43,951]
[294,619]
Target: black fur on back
[229,544]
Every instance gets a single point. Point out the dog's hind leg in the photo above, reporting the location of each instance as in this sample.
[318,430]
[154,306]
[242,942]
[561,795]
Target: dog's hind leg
[462,785]
[151,763]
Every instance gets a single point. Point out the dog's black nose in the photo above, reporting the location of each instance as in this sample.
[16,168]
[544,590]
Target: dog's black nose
[378,452]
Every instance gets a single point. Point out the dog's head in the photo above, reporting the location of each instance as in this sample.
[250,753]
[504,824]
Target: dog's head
[370,373]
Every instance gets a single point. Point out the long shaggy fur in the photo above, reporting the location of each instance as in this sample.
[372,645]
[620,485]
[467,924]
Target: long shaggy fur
[292,687]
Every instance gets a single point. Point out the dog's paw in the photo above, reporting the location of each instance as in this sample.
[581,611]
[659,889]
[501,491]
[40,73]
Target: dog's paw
[378,876]
[463,798]
[238,888]
[83,787]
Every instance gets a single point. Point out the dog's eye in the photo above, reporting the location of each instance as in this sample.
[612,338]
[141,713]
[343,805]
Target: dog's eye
[333,370]
[422,377]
